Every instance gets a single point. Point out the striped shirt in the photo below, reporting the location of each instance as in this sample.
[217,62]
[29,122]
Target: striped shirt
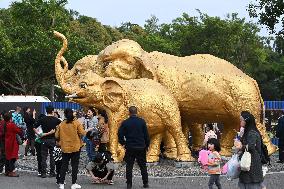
[57,154]
[214,161]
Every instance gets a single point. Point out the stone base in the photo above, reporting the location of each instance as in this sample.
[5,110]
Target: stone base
[183,164]
[152,164]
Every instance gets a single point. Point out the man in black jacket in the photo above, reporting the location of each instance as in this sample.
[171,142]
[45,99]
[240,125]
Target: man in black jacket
[280,135]
[134,136]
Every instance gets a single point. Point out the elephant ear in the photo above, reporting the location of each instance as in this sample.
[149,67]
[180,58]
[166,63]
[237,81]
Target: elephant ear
[113,94]
[145,68]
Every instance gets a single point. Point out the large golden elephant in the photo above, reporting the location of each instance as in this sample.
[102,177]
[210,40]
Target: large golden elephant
[207,89]
[154,102]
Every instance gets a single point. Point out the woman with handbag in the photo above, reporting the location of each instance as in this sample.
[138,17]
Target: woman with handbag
[250,142]
[11,144]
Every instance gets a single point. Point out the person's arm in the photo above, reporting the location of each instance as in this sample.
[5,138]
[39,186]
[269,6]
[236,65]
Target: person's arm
[146,135]
[49,133]
[17,130]
[57,132]
[108,173]
[251,142]
[80,129]
[121,134]
[90,167]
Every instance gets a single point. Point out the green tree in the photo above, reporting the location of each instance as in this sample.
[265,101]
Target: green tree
[270,13]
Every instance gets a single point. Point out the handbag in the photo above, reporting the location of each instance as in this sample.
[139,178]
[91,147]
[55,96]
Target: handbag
[246,160]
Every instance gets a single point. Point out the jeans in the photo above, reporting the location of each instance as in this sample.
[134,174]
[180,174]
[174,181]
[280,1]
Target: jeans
[47,146]
[214,179]
[140,156]
[89,148]
[66,157]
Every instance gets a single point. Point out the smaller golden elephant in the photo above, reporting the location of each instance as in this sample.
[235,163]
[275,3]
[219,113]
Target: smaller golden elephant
[154,102]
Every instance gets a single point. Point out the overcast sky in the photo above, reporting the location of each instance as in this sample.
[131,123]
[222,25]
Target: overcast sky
[114,12]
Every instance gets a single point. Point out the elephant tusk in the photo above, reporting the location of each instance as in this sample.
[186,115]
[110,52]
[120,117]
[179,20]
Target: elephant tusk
[72,96]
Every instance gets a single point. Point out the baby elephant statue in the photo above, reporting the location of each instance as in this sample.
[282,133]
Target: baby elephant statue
[154,102]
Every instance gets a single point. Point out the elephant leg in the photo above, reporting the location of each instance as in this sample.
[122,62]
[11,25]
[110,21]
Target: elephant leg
[173,125]
[115,149]
[154,148]
[266,140]
[120,152]
[228,135]
[169,146]
[197,134]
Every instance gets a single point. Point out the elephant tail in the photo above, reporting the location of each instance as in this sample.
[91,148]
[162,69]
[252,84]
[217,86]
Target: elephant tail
[262,112]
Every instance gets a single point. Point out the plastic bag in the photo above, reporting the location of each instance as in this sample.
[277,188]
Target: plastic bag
[233,167]
[203,157]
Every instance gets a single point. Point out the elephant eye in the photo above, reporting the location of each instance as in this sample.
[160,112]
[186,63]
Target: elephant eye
[105,64]
[83,85]
[77,72]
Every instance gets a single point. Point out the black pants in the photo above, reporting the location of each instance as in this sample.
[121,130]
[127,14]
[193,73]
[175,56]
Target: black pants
[75,156]
[10,165]
[102,147]
[214,179]
[38,156]
[58,165]
[2,159]
[102,174]
[47,147]
[140,156]
[281,153]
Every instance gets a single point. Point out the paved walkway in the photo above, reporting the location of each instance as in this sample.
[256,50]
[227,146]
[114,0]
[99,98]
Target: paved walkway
[29,180]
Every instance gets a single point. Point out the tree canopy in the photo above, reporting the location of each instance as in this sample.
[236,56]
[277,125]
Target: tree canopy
[28,47]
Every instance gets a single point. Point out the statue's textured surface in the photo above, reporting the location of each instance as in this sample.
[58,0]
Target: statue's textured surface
[206,89]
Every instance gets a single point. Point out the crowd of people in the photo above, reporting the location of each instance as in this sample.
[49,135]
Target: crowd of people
[63,139]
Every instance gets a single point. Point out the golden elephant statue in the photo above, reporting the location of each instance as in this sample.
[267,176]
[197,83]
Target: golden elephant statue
[207,89]
[154,102]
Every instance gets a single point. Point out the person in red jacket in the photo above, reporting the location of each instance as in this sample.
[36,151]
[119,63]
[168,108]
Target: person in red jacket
[11,146]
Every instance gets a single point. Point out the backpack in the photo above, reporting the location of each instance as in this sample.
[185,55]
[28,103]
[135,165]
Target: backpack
[265,159]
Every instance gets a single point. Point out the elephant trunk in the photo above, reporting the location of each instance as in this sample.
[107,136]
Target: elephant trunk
[59,71]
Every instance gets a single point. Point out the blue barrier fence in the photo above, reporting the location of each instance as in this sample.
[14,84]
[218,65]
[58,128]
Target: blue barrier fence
[60,105]
[269,105]
[274,105]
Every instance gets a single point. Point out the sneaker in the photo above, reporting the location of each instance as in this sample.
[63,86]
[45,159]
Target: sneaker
[110,182]
[75,186]
[13,174]
[39,174]
[61,186]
